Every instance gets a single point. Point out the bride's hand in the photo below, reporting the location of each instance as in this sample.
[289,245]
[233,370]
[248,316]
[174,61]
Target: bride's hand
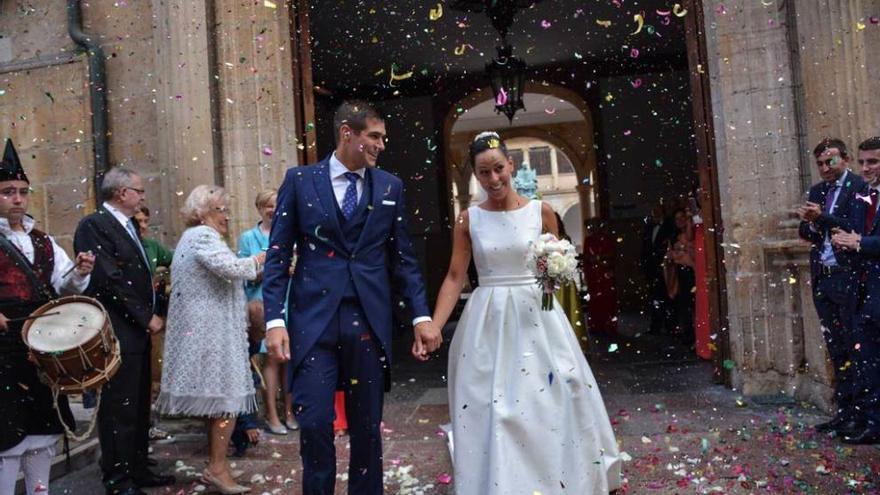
[427,339]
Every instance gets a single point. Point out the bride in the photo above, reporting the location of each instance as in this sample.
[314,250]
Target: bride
[527,416]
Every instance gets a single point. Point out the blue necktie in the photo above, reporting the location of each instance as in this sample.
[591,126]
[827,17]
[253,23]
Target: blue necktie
[829,199]
[349,201]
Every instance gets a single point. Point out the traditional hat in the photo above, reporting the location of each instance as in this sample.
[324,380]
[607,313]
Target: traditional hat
[10,167]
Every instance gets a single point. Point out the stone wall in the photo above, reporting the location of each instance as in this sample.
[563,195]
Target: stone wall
[782,76]
[197,91]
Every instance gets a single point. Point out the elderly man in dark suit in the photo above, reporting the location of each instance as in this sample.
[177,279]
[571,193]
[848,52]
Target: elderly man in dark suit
[122,282]
[829,208]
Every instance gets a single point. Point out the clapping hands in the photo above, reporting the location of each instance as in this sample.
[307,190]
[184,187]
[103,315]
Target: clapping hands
[809,212]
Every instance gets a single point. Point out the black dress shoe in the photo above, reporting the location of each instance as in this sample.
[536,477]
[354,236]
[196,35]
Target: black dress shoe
[830,425]
[850,427]
[150,479]
[870,435]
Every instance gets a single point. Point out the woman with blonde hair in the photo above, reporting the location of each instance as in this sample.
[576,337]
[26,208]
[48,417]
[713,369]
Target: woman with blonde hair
[205,370]
[253,242]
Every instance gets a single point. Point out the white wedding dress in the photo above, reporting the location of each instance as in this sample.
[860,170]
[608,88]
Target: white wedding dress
[527,415]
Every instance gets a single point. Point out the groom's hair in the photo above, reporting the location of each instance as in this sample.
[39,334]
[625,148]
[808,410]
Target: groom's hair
[354,113]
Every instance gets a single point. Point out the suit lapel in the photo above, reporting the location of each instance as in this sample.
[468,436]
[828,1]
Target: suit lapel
[375,185]
[325,194]
[121,231]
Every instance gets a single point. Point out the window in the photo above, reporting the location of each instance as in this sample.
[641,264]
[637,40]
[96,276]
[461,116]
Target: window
[563,164]
[517,156]
[539,158]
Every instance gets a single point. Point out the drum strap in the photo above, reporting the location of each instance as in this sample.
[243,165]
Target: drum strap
[25,266]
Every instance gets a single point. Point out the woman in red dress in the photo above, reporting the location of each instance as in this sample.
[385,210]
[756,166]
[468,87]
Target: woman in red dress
[599,254]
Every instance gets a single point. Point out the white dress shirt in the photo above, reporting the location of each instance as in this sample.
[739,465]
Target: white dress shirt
[71,283]
[340,184]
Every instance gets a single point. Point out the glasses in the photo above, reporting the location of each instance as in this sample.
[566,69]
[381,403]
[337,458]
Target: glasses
[139,191]
[222,209]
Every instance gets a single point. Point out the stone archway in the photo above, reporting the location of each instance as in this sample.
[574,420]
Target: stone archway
[576,141]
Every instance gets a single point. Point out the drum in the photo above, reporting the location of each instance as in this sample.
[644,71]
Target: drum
[73,342]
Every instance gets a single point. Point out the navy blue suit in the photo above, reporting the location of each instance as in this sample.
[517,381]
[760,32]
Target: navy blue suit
[865,341]
[339,312]
[835,288]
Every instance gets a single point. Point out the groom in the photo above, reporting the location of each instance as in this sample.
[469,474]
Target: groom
[347,221]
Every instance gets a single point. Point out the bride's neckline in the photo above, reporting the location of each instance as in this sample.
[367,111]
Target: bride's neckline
[523,207]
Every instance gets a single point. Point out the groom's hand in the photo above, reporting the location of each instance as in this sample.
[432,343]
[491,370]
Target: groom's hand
[278,344]
[427,339]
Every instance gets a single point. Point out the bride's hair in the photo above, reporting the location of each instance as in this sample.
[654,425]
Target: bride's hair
[486,141]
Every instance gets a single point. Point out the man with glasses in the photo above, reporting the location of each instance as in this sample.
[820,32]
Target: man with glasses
[122,282]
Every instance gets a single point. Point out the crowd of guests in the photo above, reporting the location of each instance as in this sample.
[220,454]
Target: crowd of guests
[840,221]
[206,370]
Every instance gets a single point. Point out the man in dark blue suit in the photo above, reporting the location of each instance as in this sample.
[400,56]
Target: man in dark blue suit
[864,350]
[830,207]
[347,221]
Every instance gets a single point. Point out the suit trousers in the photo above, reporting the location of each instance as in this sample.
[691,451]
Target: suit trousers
[834,296]
[866,363]
[349,354]
[124,422]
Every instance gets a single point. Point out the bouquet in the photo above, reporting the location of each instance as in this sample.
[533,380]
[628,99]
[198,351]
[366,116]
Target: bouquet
[553,262]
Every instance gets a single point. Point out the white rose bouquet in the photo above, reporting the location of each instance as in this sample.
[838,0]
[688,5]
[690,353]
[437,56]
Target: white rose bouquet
[553,261]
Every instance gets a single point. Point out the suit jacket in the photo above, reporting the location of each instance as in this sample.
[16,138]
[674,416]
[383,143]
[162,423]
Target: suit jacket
[121,279]
[843,217]
[306,216]
[654,251]
[868,257]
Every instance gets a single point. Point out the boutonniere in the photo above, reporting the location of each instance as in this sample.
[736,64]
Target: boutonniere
[866,198]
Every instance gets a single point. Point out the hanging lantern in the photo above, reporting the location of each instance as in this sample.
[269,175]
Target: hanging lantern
[507,75]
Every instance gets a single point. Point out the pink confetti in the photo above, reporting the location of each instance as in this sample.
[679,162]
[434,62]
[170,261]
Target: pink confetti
[627,132]
[267,151]
[501,99]
[637,83]
[546,24]
[549,111]
[444,478]
[874,19]
[634,52]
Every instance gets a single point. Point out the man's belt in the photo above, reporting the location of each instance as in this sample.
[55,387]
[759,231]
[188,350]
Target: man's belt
[832,269]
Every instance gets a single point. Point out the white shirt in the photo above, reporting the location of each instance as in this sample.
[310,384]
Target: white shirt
[340,184]
[72,282]
[340,181]
[118,215]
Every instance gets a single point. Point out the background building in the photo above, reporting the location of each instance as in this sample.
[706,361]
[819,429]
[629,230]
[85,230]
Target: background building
[726,98]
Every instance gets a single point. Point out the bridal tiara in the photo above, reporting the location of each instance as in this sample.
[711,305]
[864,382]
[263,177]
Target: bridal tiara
[487,134]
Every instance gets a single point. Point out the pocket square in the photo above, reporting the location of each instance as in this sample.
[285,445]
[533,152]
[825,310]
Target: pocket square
[389,203]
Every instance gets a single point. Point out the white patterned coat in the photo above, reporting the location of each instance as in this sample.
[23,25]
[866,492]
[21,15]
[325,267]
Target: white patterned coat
[205,367]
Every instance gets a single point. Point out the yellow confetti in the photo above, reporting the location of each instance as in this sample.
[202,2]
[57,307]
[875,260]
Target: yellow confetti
[679,11]
[640,21]
[436,13]
[459,50]
[861,26]
[270,4]
[604,24]
[399,77]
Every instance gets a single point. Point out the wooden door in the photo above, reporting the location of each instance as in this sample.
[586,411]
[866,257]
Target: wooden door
[303,86]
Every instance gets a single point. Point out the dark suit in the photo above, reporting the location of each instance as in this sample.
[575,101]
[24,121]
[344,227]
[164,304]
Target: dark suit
[339,312]
[654,248]
[121,281]
[864,348]
[835,288]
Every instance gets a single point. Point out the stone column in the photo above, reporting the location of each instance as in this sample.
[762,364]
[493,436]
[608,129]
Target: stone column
[254,70]
[186,142]
[758,154]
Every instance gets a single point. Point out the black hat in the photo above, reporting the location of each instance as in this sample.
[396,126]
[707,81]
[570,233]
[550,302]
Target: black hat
[10,167]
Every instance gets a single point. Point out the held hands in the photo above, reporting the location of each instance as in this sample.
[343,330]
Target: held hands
[155,326]
[427,339]
[278,344]
[84,263]
[809,212]
[260,258]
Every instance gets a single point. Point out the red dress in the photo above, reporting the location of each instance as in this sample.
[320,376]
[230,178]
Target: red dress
[599,252]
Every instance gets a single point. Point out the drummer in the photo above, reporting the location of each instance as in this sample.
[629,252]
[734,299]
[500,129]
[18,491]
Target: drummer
[33,271]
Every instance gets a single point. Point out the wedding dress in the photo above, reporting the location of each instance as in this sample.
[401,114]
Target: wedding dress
[527,415]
